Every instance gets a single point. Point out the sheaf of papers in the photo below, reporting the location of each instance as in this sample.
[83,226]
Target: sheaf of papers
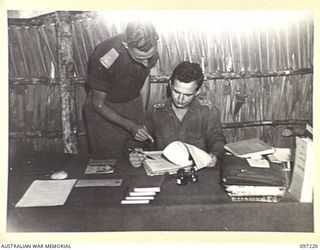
[42,193]
[178,153]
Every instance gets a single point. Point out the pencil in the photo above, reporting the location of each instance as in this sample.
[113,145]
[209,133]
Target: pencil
[134,151]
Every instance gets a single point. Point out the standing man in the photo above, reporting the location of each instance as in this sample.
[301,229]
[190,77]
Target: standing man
[118,88]
[183,118]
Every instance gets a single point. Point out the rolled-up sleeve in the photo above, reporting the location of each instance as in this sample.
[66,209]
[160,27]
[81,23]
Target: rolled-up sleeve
[98,77]
[214,136]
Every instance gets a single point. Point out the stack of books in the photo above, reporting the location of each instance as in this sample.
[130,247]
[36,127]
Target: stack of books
[143,190]
[249,175]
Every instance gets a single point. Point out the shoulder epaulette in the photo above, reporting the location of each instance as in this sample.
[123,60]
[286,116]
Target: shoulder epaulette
[109,58]
[206,103]
[158,105]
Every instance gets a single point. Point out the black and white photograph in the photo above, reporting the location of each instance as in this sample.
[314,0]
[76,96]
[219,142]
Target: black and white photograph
[160,121]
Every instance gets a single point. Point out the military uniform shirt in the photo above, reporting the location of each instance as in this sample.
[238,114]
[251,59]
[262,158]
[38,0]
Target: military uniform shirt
[201,127]
[121,77]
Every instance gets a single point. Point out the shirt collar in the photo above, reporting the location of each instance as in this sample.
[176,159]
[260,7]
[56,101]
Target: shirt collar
[194,105]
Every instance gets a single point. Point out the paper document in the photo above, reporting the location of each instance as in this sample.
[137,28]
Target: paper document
[179,153]
[42,193]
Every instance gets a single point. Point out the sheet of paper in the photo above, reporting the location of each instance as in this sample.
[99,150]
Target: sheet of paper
[99,183]
[42,193]
[280,155]
[177,153]
[258,163]
[200,157]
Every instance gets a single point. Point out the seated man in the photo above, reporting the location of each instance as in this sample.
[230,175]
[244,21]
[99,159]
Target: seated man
[183,118]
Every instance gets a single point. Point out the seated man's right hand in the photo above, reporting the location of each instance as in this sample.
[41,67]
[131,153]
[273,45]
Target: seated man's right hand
[136,159]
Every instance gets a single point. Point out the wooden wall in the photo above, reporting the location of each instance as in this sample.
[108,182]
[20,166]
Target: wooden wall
[267,74]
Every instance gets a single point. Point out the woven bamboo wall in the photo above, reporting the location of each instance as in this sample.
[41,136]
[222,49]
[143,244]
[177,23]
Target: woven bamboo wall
[272,68]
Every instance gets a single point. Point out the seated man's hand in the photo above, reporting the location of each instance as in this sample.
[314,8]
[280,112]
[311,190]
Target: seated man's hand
[136,159]
[214,160]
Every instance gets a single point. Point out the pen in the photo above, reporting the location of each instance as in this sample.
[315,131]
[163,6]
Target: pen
[134,151]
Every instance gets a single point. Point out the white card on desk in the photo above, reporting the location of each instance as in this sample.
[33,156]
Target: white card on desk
[99,183]
[42,193]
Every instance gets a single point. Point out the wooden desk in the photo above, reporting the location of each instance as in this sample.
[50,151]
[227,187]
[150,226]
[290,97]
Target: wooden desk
[202,206]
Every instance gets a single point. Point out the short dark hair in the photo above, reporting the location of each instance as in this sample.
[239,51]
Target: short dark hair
[188,72]
[141,35]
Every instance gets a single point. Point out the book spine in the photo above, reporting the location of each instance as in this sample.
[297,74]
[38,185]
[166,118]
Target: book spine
[135,201]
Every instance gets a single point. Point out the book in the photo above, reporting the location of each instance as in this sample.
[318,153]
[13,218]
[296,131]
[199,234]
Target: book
[184,154]
[242,190]
[148,183]
[301,186]
[160,165]
[144,193]
[135,201]
[175,156]
[148,186]
[267,198]
[251,148]
[100,166]
[139,197]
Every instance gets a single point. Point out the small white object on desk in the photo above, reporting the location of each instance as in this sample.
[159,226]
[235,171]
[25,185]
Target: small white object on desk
[59,175]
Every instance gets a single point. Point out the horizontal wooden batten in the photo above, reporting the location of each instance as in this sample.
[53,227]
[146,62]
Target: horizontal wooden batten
[30,80]
[58,134]
[164,79]
[242,75]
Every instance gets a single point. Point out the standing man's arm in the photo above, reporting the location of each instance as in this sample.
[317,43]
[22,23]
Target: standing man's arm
[100,106]
[144,92]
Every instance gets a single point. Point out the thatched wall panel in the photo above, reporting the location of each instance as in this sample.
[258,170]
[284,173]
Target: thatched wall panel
[35,108]
[35,105]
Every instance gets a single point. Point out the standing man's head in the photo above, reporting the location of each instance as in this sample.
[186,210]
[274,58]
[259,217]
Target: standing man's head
[185,83]
[141,40]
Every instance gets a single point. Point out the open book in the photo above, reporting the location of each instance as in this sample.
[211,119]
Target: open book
[176,155]
[251,148]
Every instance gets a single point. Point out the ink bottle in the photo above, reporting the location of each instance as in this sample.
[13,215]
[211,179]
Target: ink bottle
[181,178]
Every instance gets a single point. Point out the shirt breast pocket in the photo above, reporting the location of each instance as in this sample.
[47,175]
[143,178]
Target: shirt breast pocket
[195,136]
[165,137]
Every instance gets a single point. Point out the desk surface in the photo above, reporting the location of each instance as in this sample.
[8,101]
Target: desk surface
[202,206]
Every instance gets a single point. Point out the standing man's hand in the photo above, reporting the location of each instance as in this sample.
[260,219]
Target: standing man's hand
[214,160]
[140,133]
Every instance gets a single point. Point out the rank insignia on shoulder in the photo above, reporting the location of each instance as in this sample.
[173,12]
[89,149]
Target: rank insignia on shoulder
[206,103]
[158,105]
[108,59]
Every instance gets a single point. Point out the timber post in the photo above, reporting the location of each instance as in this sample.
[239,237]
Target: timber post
[65,75]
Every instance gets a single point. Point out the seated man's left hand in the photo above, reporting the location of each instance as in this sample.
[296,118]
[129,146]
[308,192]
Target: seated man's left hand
[214,160]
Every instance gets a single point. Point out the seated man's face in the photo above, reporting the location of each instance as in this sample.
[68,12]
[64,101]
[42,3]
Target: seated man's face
[183,93]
